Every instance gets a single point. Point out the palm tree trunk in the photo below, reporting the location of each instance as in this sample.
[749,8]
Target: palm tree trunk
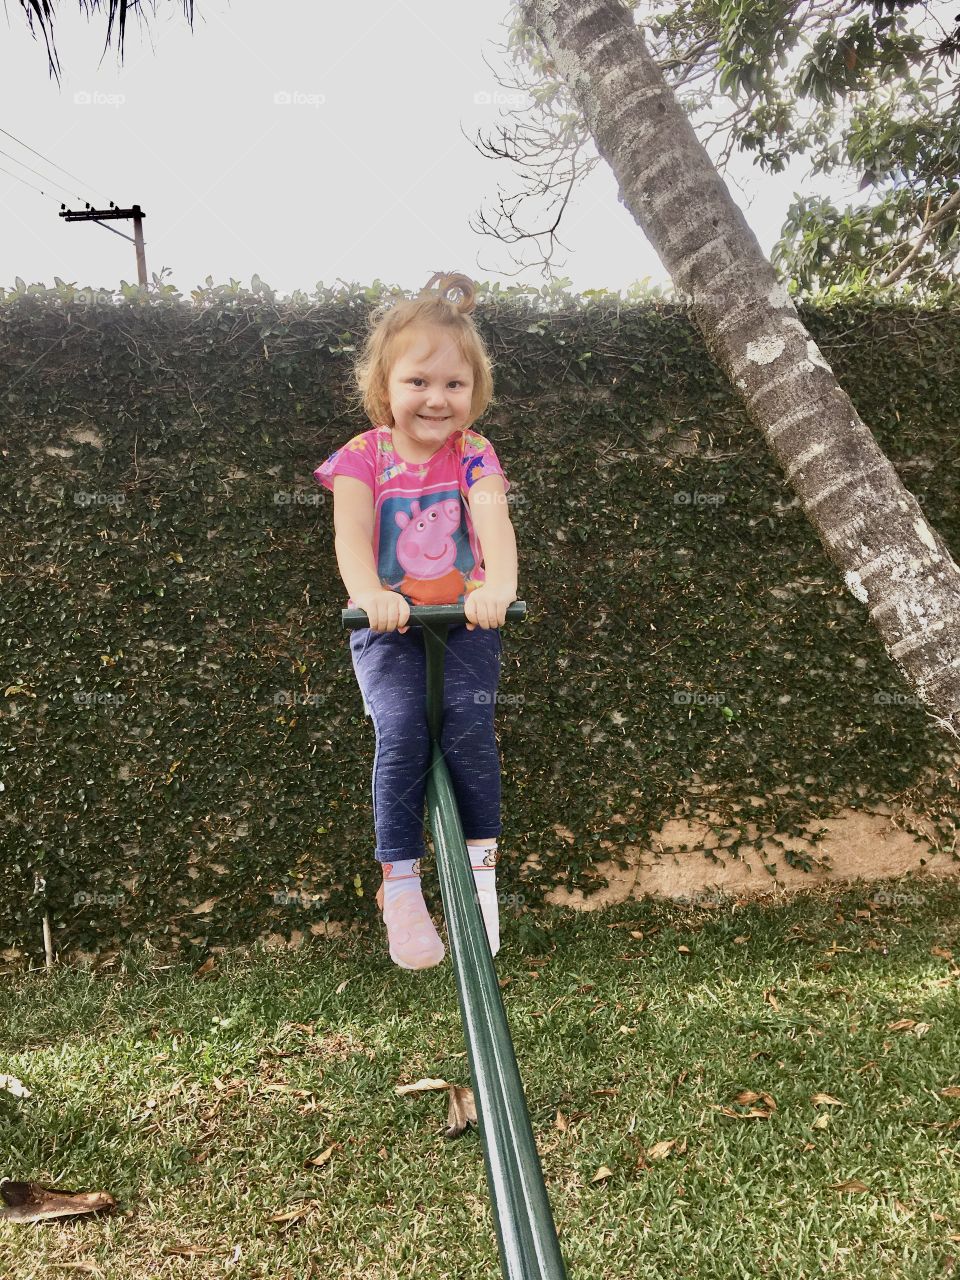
[873,529]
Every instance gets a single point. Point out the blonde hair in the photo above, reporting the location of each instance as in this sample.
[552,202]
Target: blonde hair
[390,327]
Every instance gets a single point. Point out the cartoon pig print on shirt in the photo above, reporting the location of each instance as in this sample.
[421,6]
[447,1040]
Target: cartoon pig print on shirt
[426,550]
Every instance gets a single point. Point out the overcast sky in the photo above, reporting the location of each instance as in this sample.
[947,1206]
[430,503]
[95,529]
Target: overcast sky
[299,141]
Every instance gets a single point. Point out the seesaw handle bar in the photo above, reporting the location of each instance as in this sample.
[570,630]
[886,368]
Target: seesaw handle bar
[431,614]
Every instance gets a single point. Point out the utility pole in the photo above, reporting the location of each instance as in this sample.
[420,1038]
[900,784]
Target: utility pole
[102,216]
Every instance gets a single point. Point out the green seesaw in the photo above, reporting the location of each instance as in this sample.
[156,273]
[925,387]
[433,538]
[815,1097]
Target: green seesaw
[526,1234]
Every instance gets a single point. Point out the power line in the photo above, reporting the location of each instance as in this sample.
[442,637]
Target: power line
[38,173]
[53,163]
[25,183]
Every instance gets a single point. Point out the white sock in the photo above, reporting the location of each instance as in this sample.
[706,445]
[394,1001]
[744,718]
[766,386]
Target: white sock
[402,877]
[483,863]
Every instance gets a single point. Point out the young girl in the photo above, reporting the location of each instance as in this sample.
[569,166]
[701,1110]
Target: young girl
[420,514]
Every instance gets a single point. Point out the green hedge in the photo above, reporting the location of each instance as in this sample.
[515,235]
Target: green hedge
[185,755]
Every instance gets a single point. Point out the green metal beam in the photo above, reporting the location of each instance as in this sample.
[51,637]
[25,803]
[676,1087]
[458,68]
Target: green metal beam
[526,1234]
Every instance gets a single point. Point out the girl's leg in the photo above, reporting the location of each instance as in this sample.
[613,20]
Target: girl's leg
[467,739]
[471,676]
[391,672]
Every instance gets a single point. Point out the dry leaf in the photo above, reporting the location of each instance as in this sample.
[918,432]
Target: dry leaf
[746,1097]
[561,1123]
[826,1100]
[422,1086]
[822,1121]
[684,951]
[343,984]
[904,1024]
[851,1184]
[184,1250]
[951,1091]
[771,999]
[461,1111]
[291,1215]
[602,1173]
[661,1149]
[943,952]
[755,1113]
[12,1085]
[206,968]
[323,1157]
[30,1202]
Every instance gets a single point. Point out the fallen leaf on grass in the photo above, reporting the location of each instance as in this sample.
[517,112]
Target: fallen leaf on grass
[951,1091]
[185,1250]
[741,938]
[422,1086]
[851,1184]
[461,1106]
[602,1173]
[746,1097]
[209,965]
[323,1157]
[943,952]
[771,999]
[30,1202]
[300,1211]
[660,1150]
[822,1121]
[12,1085]
[684,951]
[908,1024]
[560,1122]
[826,1100]
[461,1111]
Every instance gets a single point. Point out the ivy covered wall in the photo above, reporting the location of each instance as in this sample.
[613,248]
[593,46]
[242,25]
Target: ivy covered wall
[184,751]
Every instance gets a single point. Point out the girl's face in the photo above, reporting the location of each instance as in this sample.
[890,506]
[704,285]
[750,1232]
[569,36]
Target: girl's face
[430,389]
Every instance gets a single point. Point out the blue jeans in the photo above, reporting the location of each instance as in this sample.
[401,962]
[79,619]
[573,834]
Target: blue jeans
[391,670]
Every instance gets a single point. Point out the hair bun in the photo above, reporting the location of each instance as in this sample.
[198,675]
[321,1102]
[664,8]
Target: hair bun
[452,282]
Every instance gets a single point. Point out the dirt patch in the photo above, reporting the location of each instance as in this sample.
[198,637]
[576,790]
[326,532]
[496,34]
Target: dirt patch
[858,845]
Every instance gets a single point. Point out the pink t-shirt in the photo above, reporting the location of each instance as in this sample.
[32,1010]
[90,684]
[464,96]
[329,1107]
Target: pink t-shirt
[424,542]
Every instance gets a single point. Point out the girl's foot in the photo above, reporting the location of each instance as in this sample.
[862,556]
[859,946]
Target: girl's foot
[414,941]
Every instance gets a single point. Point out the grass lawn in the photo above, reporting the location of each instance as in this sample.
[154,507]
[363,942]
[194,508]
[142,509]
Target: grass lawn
[763,1083]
